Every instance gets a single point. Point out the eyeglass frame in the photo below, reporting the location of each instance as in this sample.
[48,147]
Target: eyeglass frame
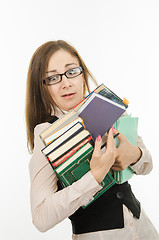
[61,74]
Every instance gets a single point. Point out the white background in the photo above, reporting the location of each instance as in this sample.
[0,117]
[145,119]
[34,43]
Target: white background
[119,42]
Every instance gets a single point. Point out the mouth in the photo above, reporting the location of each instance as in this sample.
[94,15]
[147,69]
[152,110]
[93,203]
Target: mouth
[68,95]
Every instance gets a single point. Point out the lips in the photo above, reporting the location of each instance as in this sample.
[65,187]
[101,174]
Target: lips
[68,95]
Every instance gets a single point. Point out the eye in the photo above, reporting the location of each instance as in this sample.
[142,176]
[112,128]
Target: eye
[53,78]
[73,72]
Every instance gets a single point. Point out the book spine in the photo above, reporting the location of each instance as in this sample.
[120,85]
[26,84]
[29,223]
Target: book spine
[47,132]
[68,150]
[64,141]
[82,101]
[70,153]
[52,137]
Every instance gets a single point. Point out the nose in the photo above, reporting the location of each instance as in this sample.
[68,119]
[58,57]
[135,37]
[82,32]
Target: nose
[65,82]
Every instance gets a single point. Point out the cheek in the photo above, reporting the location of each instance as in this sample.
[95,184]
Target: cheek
[53,92]
[81,85]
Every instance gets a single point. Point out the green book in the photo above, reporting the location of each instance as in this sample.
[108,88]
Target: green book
[127,125]
[78,165]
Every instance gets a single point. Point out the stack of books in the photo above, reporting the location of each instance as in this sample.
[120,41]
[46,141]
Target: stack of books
[69,142]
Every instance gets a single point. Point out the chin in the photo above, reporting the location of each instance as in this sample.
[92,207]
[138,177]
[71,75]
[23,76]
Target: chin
[70,105]
[69,108]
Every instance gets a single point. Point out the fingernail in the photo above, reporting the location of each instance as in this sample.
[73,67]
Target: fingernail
[112,128]
[98,138]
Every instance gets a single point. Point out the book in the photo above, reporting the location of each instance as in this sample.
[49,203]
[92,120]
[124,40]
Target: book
[63,137]
[71,152]
[99,114]
[59,131]
[67,146]
[78,165]
[107,183]
[67,118]
[82,156]
[106,92]
[127,125]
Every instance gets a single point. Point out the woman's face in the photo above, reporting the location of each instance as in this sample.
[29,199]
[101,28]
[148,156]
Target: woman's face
[69,92]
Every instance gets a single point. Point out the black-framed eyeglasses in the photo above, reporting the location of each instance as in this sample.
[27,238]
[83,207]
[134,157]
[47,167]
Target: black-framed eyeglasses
[71,73]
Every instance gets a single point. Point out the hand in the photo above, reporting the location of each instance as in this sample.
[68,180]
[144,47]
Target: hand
[101,163]
[126,154]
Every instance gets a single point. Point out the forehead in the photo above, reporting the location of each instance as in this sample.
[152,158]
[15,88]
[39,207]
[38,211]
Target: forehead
[60,59]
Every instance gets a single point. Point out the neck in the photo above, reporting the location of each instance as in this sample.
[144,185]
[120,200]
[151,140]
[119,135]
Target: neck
[59,112]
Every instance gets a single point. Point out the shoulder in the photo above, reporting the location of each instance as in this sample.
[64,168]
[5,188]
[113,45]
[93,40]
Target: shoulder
[38,160]
[43,126]
[38,143]
[40,128]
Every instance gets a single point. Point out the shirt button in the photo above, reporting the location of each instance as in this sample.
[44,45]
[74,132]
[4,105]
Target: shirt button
[119,195]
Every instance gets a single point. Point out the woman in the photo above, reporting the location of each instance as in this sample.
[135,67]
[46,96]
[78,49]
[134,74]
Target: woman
[57,81]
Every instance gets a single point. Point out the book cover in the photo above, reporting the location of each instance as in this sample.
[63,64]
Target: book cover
[106,92]
[99,114]
[76,165]
[107,183]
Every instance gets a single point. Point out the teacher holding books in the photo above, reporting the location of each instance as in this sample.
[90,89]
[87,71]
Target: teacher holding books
[58,80]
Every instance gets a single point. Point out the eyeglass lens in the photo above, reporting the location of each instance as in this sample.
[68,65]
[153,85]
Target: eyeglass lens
[71,73]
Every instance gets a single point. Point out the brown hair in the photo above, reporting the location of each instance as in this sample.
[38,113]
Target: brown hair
[39,104]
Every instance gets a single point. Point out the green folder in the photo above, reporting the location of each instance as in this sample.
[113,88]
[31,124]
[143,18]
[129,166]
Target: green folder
[127,125]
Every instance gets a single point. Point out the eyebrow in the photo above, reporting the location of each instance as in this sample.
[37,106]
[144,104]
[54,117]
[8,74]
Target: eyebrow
[66,65]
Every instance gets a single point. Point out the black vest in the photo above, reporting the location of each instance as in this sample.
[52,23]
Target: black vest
[107,211]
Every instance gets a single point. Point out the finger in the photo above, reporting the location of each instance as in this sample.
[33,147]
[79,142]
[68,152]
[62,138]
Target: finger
[114,130]
[97,146]
[114,168]
[118,165]
[117,159]
[110,140]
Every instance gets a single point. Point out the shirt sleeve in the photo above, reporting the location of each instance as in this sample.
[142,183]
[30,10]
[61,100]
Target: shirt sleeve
[144,165]
[48,206]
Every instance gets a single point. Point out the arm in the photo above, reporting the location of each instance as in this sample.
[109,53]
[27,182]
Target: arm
[48,206]
[144,165]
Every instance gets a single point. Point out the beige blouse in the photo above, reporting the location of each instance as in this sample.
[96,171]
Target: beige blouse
[50,207]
